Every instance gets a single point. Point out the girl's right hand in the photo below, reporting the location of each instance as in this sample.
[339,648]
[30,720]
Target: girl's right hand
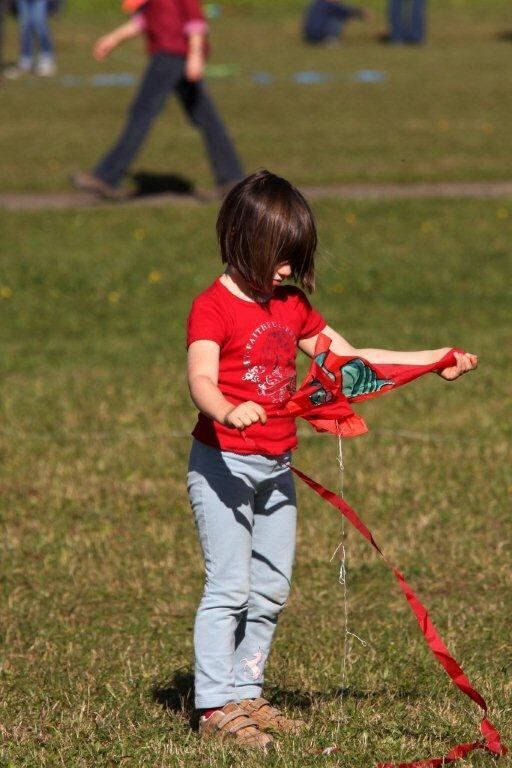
[245,414]
[103,47]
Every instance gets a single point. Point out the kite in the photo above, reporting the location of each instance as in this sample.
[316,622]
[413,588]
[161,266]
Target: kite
[324,399]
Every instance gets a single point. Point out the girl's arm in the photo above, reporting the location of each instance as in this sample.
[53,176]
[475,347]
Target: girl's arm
[340,346]
[106,44]
[203,377]
[194,64]
[196,30]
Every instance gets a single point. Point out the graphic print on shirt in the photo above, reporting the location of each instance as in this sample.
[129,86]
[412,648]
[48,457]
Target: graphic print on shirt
[269,360]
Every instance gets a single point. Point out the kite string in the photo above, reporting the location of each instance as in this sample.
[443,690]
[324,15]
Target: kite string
[342,578]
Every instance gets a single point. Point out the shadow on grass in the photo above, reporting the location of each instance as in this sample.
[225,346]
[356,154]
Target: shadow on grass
[148,183]
[177,695]
[306,700]
[505,36]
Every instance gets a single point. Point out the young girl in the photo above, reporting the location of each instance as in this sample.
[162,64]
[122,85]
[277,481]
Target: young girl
[243,334]
[175,32]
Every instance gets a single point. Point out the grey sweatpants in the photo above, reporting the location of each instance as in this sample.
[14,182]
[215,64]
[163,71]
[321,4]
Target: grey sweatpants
[245,513]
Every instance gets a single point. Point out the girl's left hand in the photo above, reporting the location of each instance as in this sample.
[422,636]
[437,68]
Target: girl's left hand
[465,362]
[194,67]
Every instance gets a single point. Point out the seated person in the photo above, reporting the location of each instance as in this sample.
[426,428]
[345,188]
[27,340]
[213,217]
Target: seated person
[324,20]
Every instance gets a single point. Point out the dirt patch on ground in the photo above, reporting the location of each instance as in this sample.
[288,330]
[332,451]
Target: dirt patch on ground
[14,201]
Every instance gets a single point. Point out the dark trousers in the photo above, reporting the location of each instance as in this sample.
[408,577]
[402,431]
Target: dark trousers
[407,21]
[163,77]
[324,20]
[3,9]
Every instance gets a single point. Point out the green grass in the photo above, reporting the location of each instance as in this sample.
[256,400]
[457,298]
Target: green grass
[101,568]
[442,114]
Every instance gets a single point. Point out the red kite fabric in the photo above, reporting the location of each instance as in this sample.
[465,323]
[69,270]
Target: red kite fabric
[333,382]
[331,385]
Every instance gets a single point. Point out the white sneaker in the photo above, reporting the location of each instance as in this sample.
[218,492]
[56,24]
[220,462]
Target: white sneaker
[46,68]
[15,72]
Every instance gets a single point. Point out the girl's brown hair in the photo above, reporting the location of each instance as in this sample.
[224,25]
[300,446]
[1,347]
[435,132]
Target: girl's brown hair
[264,221]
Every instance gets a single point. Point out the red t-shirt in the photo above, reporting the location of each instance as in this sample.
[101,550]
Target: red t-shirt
[258,349]
[168,23]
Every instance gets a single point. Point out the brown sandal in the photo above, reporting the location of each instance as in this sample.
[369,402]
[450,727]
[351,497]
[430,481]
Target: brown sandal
[269,718]
[234,723]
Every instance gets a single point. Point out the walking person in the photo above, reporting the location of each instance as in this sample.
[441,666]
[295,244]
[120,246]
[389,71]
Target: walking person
[175,31]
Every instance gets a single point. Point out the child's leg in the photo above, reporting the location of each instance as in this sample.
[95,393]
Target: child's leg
[222,496]
[396,22]
[273,551]
[162,75]
[417,22]
[26,31]
[3,10]
[202,113]
[41,28]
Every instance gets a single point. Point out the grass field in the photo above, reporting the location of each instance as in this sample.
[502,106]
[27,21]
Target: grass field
[102,572]
[101,569]
[442,113]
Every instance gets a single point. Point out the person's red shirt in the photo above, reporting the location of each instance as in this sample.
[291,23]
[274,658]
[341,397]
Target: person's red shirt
[258,349]
[167,24]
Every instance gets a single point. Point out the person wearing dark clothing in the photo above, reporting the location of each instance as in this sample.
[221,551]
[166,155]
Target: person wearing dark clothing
[407,21]
[3,10]
[175,32]
[324,20]
[164,76]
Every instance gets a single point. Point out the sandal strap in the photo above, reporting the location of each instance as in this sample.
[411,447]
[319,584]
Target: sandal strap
[238,726]
[236,713]
[263,703]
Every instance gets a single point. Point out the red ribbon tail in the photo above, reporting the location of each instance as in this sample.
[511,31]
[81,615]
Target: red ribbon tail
[492,744]
[457,753]
[492,740]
